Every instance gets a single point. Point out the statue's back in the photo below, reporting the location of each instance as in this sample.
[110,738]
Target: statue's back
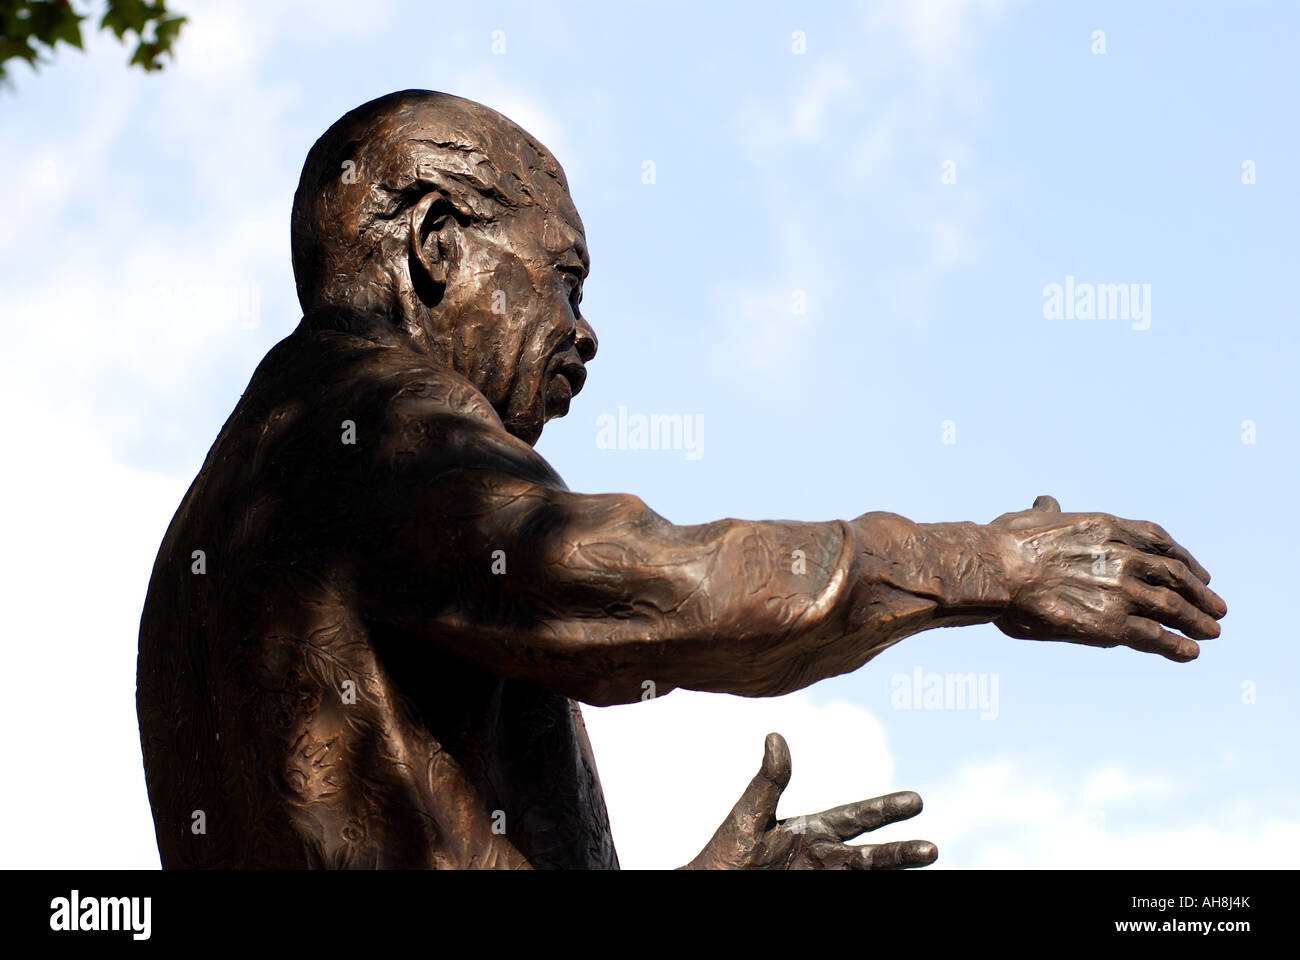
[279,729]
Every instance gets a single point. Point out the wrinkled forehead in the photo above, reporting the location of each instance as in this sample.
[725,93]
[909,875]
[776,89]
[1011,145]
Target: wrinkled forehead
[486,150]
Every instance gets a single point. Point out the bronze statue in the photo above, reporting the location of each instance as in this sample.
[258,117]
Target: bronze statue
[375,610]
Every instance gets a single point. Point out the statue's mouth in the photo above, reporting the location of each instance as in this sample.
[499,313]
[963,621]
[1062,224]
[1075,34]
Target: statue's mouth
[565,381]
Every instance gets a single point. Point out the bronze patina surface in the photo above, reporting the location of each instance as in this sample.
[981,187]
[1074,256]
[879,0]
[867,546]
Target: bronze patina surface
[377,608]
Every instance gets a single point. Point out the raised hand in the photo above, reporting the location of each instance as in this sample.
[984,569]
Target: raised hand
[751,838]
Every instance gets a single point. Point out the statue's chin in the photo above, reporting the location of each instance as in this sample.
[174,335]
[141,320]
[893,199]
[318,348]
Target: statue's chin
[526,425]
[529,434]
[551,402]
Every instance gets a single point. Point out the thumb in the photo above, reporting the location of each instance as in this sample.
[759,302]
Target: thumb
[757,805]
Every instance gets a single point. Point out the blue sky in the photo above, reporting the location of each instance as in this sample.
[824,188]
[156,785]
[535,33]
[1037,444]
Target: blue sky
[144,270]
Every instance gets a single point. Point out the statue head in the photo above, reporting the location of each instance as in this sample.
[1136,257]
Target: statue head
[440,219]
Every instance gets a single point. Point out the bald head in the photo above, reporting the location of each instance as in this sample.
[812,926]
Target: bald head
[377,162]
[437,218]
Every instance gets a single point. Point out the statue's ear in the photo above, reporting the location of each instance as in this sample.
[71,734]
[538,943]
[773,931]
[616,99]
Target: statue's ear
[434,220]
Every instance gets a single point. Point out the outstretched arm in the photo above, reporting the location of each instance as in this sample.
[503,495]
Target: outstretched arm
[599,597]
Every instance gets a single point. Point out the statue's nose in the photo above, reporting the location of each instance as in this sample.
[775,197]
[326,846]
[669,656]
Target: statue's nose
[585,340]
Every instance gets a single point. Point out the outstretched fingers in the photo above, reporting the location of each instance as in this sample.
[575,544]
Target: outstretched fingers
[1174,574]
[853,819]
[1148,636]
[1167,607]
[902,855]
[1153,538]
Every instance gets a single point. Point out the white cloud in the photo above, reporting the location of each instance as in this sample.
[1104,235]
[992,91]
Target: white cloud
[1022,813]
[486,86]
[45,176]
[101,351]
[810,107]
[872,130]
[124,307]
[1116,784]
[936,29]
[673,767]
[80,531]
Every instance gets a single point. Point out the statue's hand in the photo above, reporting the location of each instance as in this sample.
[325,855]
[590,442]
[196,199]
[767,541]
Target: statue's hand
[751,838]
[1095,579]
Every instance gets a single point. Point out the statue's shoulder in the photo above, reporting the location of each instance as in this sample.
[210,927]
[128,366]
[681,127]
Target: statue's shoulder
[318,377]
[422,388]
[375,371]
